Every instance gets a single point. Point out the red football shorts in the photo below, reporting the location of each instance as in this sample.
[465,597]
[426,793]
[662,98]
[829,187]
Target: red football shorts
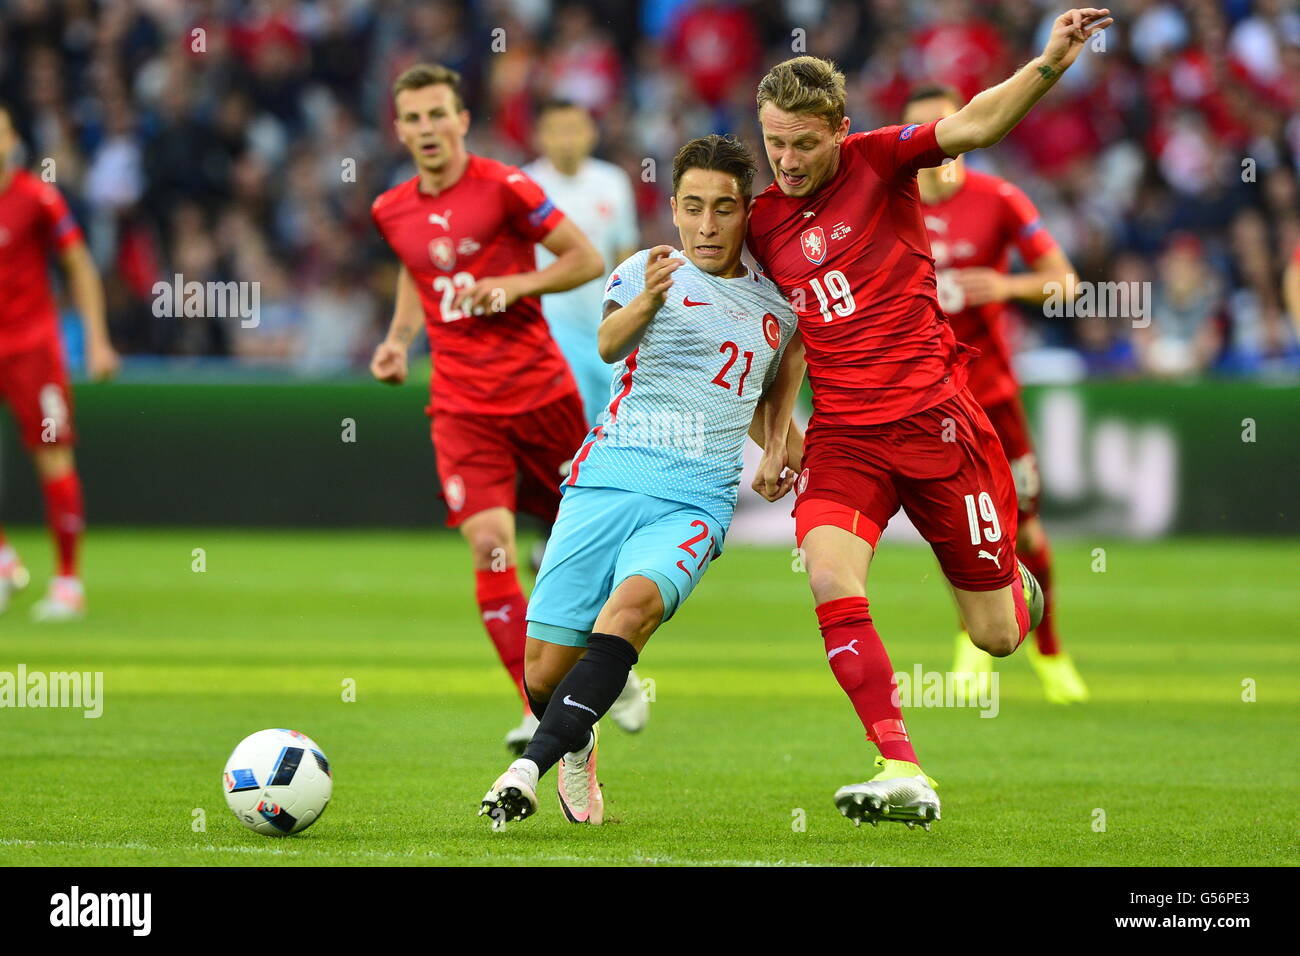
[34,384]
[1009,421]
[507,461]
[944,467]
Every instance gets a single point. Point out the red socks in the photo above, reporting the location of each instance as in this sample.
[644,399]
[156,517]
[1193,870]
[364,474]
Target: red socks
[502,606]
[859,662]
[1039,563]
[65,516]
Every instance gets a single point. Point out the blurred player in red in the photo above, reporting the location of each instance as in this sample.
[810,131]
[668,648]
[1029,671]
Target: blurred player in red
[974,220]
[36,225]
[507,416]
[842,234]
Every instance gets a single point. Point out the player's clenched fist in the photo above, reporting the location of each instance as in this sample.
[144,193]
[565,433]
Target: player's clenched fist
[389,363]
[659,269]
[773,480]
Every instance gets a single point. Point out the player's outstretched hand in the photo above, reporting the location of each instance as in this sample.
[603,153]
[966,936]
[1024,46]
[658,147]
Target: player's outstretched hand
[659,269]
[1070,32]
[773,481]
[389,363]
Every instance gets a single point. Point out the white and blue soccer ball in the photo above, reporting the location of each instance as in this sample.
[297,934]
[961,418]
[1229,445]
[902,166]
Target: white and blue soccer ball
[277,782]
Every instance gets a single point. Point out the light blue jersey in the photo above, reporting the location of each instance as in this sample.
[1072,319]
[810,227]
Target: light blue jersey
[680,405]
[599,200]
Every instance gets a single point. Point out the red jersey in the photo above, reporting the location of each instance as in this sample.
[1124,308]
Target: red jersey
[854,260]
[34,221]
[485,224]
[976,227]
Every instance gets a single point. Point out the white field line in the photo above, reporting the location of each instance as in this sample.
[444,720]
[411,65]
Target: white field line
[308,857]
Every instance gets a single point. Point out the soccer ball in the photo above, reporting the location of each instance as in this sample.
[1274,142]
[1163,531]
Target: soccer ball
[277,782]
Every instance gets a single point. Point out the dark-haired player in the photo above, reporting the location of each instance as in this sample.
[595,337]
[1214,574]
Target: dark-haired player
[842,234]
[35,224]
[974,220]
[700,343]
[506,412]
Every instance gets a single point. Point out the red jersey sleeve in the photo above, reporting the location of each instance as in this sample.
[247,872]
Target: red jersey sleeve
[61,226]
[374,217]
[1295,254]
[1024,224]
[528,208]
[893,150]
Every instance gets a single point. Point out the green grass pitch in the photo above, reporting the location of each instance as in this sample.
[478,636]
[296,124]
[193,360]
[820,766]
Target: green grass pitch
[749,733]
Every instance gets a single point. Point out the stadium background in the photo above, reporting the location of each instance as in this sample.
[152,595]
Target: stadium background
[226,164]
[227,140]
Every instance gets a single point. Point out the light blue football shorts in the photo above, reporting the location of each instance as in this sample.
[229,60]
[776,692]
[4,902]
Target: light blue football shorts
[604,536]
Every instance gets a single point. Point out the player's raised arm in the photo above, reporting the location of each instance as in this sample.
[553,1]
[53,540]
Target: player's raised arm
[87,294]
[623,326]
[389,361]
[992,114]
[576,262]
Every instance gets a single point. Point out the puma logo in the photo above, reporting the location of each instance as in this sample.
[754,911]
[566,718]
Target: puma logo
[839,650]
[444,220]
[809,214]
[501,614]
[995,558]
[569,701]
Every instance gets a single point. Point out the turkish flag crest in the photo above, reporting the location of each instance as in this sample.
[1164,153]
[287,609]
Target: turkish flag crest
[813,242]
[772,330]
[443,253]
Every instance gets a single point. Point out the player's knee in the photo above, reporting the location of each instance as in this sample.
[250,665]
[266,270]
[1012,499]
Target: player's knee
[54,463]
[829,583]
[635,620]
[541,680]
[998,638]
[635,611]
[1029,537]
[490,547]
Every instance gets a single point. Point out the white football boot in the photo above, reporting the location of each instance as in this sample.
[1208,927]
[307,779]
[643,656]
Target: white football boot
[630,711]
[64,601]
[580,796]
[900,792]
[13,576]
[517,738]
[513,796]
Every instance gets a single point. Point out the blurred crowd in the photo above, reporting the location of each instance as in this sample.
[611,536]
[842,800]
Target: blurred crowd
[246,139]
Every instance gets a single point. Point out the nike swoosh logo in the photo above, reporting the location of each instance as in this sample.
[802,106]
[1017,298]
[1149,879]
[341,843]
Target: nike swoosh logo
[573,703]
[686,300]
[839,650]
